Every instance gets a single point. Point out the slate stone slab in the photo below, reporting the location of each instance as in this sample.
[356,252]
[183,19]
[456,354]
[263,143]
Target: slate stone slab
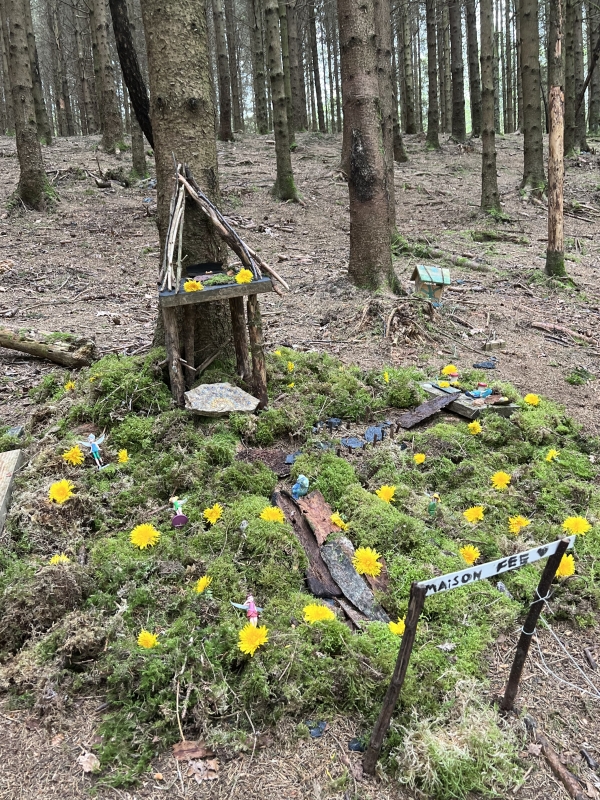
[338,557]
[219,399]
[466,407]
[352,442]
[9,464]
[424,411]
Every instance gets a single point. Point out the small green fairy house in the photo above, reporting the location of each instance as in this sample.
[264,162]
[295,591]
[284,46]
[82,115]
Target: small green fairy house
[430,282]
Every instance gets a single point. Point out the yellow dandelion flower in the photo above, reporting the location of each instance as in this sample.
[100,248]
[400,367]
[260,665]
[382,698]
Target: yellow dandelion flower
[455,383]
[291,366]
[474,427]
[386,376]
[450,369]
[469,553]
[397,627]
[192,286]
[317,613]
[366,562]
[291,385]
[532,399]
[74,456]
[386,493]
[272,514]
[202,583]
[60,492]
[251,638]
[244,276]
[337,520]
[147,640]
[213,514]
[69,386]
[552,454]
[144,535]
[500,480]
[123,457]
[419,458]
[578,525]
[443,384]
[516,523]
[473,514]
[566,568]
[60,559]
[277,352]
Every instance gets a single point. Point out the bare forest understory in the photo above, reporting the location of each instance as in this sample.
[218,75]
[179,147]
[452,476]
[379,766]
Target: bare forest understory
[89,266]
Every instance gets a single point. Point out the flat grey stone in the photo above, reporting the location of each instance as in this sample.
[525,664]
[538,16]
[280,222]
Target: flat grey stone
[9,464]
[219,399]
[338,557]
[17,431]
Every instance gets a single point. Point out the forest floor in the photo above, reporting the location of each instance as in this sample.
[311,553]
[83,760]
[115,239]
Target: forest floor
[89,266]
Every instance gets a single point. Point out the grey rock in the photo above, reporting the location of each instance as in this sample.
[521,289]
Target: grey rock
[219,399]
[338,555]
[17,431]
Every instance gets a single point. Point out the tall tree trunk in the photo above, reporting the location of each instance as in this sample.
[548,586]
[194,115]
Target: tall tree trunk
[225,131]
[287,77]
[41,115]
[496,68]
[59,100]
[519,115]
[510,112]
[533,161]
[447,66]
[328,42]
[399,150]
[409,85]
[570,132]
[296,74]
[383,48]
[593,17]
[555,253]
[230,29]
[10,115]
[62,17]
[370,262]
[183,120]
[439,6]
[580,132]
[473,57]
[284,188]
[82,71]
[138,151]
[503,68]
[258,66]
[490,199]
[312,23]
[112,130]
[32,181]
[433,116]
[338,94]
[459,126]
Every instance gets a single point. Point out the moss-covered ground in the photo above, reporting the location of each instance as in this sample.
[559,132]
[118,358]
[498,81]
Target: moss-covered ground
[74,625]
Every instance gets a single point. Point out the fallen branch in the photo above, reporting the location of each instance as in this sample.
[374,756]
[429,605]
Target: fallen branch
[458,261]
[64,349]
[544,326]
[568,780]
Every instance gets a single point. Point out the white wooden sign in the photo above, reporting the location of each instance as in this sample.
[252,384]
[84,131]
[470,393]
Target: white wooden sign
[455,579]
[9,464]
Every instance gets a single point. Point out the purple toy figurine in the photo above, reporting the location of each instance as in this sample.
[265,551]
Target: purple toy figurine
[180,519]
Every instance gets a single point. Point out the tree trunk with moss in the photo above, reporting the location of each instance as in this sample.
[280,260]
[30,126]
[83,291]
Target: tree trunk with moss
[490,198]
[32,182]
[433,112]
[112,128]
[533,154]
[370,262]
[182,115]
[284,188]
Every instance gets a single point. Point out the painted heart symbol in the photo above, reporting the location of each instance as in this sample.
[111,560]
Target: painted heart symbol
[542,551]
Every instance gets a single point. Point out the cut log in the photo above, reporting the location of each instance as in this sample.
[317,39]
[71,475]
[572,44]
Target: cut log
[545,326]
[318,576]
[425,410]
[65,349]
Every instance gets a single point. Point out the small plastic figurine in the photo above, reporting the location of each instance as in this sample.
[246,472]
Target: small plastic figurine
[179,519]
[252,611]
[300,488]
[435,500]
[93,443]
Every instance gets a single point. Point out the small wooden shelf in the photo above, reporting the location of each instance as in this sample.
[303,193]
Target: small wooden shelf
[209,293]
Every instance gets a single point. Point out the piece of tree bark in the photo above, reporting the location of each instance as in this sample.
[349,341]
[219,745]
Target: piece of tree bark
[64,349]
[490,198]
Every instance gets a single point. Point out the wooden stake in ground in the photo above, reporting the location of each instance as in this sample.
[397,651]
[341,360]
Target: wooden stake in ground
[528,629]
[257,349]
[415,606]
[555,254]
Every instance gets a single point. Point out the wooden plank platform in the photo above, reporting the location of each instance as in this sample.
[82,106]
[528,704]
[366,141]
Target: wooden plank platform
[211,293]
[9,464]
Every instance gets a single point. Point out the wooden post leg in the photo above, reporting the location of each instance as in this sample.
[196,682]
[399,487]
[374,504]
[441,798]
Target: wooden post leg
[528,628]
[415,606]
[240,339]
[259,367]
[173,355]
[189,344]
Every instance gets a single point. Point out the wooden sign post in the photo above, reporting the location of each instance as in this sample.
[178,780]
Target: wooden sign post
[419,591]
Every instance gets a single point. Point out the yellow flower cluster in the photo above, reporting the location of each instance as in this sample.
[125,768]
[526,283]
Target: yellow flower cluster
[69,386]
[532,399]
[202,584]
[337,520]
[469,553]
[144,535]
[147,640]
[397,627]
[60,492]
[366,561]
[251,638]
[474,427]
[473,514]
[314,612]
[74,456]
[566,568]
[577,525]
[515,524]
[272,514]
[386,493]
[500,480]
[419,458]
[244,276]
[192,286]
[123,457]
[60,559]
[213,514]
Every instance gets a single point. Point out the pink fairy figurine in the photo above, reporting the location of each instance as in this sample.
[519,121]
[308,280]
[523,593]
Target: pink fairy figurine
[252,611]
